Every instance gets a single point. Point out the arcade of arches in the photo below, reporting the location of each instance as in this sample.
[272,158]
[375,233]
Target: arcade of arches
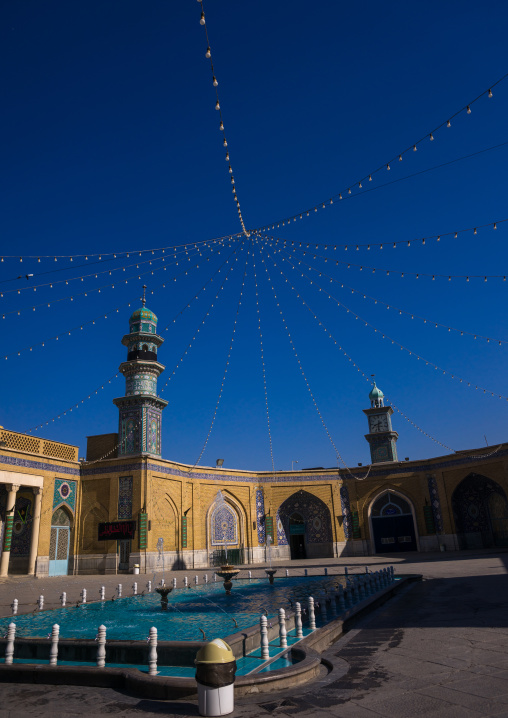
[75,517]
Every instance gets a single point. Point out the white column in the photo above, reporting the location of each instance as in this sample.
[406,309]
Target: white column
[9,520]
[36,523]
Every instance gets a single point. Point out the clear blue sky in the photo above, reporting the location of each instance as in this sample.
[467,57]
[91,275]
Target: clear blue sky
[110,142]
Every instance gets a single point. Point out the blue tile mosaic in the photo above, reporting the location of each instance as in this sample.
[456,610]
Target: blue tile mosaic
[347,523]
[224,526]
[125,497]
[64,493]
[260,516]
[435,503]
[315,513]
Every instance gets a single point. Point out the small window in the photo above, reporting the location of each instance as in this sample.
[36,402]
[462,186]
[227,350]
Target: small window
[390,504]
[145,347]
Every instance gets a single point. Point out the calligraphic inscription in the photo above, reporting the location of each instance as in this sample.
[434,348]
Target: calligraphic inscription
[117,530]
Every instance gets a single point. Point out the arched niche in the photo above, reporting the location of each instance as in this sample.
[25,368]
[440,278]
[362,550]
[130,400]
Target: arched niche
[304,523]
[225,522]
[392,523]
[480,511]
[60,541]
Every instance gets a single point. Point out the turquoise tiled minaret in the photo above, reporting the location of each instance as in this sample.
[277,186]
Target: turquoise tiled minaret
[141,409]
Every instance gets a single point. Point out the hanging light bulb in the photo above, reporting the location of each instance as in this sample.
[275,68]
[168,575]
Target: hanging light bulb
[340,197]
[214,81]
[495,225]
[227,156]
[230,170]
[414,148]
[331,201]
[225,144]
[423,240]
[455,235]
[217,106]
[468,110]
[490,93]
[431,137]
[202,19]
[387,166]
[221,126]
[359,184]
[448,124]
[349,191]
[474,231]
[400,158]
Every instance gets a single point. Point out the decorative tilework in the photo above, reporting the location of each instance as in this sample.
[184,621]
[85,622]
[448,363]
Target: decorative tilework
[315,513]
[346,512]
[125,497]
[224,526]
[39,465]
[64,493]
[472,505]
[260,516]
[435,503]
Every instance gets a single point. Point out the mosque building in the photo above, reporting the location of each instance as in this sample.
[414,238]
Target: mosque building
[125,504]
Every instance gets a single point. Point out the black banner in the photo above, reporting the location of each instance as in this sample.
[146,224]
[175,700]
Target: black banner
[117,530]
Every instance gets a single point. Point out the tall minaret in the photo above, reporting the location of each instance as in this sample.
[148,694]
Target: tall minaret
[141,409]
[381,437]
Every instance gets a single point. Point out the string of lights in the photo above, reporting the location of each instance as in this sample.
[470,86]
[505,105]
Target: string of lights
[74,406]
[386,166]
[215,84]
[445,372]
[367,378]
[115,255]
[200,326]
[395,272]
[85,293]
[430,322]
[295,354]
[95,275]
[90,322]
[263,366]
[225,369]
[397,243]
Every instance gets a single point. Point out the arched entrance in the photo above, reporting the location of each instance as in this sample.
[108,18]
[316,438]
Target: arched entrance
[392,522]
[480,510]
[304,523]
[297,536]
[59,543]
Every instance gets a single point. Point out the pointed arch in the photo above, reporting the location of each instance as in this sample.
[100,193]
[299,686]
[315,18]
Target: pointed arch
[480,511]
[96,514]
[392,522]
[304,523]
[228,520]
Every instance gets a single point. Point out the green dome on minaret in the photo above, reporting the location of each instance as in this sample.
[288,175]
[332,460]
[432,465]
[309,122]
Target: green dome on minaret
[375,393]
[143,319]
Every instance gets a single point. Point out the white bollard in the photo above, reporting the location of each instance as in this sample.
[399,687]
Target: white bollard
[101,646]
[196,580]
[9,649]
[287,572]
[185,581]
[205,577]
[14,606]
[63,598]
[263,627]
[250,575]
[174,583]
[83,595]
[53,652]
[134,589]
[215,578]
[40,602]
[298,620]
[102,593]
[312,617]
[119,590]
[149,587]
[282,628]
[152,654]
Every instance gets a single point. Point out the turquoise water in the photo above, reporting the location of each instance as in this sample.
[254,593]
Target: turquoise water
[199,607]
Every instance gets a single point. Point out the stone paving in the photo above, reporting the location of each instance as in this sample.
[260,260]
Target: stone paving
[440,648]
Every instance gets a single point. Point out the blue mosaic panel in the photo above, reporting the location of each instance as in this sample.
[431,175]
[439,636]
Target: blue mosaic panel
[347,523]
[65,493]
[435,503]
[125,497]
[260,516]
[224,526]
[315,513]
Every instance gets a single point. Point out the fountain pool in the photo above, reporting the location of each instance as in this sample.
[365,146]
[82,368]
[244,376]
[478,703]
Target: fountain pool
[203,607]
